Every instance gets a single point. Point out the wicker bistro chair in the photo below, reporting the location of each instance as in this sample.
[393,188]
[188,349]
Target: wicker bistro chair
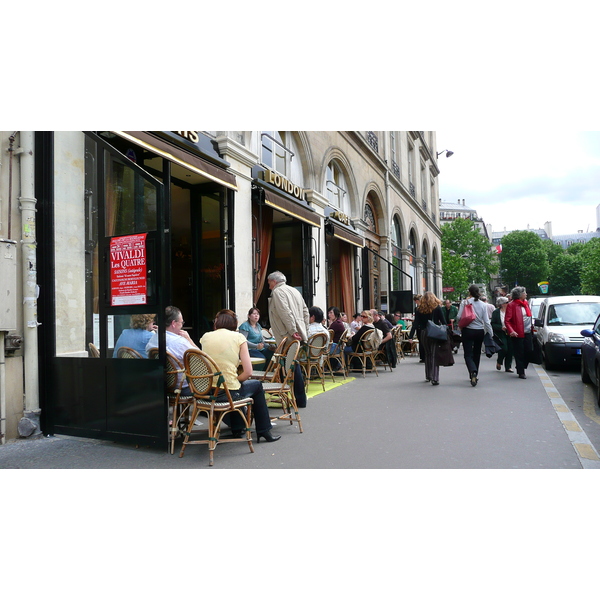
[179,405]
[338,355]
[272,370]
[212,397]
[399,338]
[316,350]
[125,352]
[367,346]
[283,391]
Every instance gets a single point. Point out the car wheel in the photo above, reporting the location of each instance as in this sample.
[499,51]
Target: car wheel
[585,376]
[598,385]
[547,363]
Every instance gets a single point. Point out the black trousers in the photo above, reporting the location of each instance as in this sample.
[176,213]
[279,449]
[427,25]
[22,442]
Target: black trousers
[522,347]
[472,340]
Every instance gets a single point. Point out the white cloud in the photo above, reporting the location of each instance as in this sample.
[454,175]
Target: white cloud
[516,178]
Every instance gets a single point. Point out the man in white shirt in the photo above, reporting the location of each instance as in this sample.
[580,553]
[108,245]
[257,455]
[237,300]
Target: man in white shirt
[178,340]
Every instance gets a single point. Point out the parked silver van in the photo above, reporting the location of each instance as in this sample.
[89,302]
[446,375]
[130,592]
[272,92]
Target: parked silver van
[559,324]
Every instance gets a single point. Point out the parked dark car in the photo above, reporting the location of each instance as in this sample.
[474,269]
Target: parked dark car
[590,357]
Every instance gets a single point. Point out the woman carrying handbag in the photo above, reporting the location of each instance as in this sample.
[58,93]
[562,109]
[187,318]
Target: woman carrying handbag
[429,309]
[473,332]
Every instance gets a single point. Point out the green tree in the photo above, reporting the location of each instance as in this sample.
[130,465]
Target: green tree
[467,256]
[565,275]
[523,260]
[590,273]
[575,248]
[552,250]
[456,274]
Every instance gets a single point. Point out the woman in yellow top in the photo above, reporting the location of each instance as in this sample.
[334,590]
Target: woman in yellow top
[228,348]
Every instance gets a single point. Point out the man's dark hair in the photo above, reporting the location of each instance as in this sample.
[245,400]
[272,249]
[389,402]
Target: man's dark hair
[317,313]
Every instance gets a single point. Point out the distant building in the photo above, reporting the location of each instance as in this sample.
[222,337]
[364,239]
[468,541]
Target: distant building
[544,234]
[450,211]
[563,240]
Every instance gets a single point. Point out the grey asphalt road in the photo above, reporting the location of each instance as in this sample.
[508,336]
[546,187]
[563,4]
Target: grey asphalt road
[394,421]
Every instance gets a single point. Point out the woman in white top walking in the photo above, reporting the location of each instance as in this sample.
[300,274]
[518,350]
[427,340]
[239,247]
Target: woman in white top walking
[472,334]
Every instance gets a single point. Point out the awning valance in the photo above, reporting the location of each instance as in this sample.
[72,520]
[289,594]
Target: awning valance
[292,208]
[180,156]
[345,234]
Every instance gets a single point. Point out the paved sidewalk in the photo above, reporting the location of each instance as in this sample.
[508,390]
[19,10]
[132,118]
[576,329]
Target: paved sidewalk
[396,420]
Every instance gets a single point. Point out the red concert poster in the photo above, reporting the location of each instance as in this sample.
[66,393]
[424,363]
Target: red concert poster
[128,270]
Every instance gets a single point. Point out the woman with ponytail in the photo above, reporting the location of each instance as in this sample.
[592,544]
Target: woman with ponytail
[517,321]
[472,334]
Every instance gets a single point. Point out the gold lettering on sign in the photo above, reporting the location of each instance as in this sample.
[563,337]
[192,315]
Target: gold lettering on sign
[192,136]
[283,184]
[341,217]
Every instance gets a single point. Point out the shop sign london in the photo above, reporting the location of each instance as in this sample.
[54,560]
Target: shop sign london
[283,184]
[128,270]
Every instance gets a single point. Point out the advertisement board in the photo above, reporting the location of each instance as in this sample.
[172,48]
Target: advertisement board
[128,270]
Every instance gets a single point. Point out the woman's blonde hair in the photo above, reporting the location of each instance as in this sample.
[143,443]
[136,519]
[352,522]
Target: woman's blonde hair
[428,303]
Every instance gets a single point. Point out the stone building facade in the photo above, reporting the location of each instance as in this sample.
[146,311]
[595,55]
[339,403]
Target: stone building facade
[197,219]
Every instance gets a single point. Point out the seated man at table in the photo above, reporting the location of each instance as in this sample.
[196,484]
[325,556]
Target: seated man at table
[387,344]
[178,340]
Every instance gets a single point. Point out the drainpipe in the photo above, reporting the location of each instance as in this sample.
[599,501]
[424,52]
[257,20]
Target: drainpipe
[30,423]
[2,390]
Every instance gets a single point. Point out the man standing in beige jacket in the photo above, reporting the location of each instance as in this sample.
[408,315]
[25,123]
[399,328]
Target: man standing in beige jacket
[288,316]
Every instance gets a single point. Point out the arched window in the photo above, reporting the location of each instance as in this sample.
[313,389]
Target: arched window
[336,187]
[370,218]
[279,152]
[396,233]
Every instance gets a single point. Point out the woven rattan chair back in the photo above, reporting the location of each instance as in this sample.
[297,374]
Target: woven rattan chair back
[364,352]
[125,352]
[283,392]
[338,355]
[204,376]
[273,369]
[94,352]
[318,344]
[212,397]
[399,339]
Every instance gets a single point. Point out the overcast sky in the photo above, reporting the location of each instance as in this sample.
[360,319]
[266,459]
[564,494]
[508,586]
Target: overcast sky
[516,181]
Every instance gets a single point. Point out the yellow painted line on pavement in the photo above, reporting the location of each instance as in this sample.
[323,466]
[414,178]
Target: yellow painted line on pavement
[577,436]
[586,451]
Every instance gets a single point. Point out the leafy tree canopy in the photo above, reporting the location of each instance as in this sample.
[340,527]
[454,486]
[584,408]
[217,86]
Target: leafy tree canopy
[467,256]
[590,271]
[552,250]
[565,275]
[523,260]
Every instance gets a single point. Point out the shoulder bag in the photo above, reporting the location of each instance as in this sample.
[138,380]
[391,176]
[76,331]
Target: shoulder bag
[437,332]
[468,315]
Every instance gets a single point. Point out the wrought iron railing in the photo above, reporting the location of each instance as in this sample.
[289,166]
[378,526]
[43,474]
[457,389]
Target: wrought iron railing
[373,141]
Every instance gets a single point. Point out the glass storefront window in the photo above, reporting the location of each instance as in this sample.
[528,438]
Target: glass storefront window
[130,207]
[130,200]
